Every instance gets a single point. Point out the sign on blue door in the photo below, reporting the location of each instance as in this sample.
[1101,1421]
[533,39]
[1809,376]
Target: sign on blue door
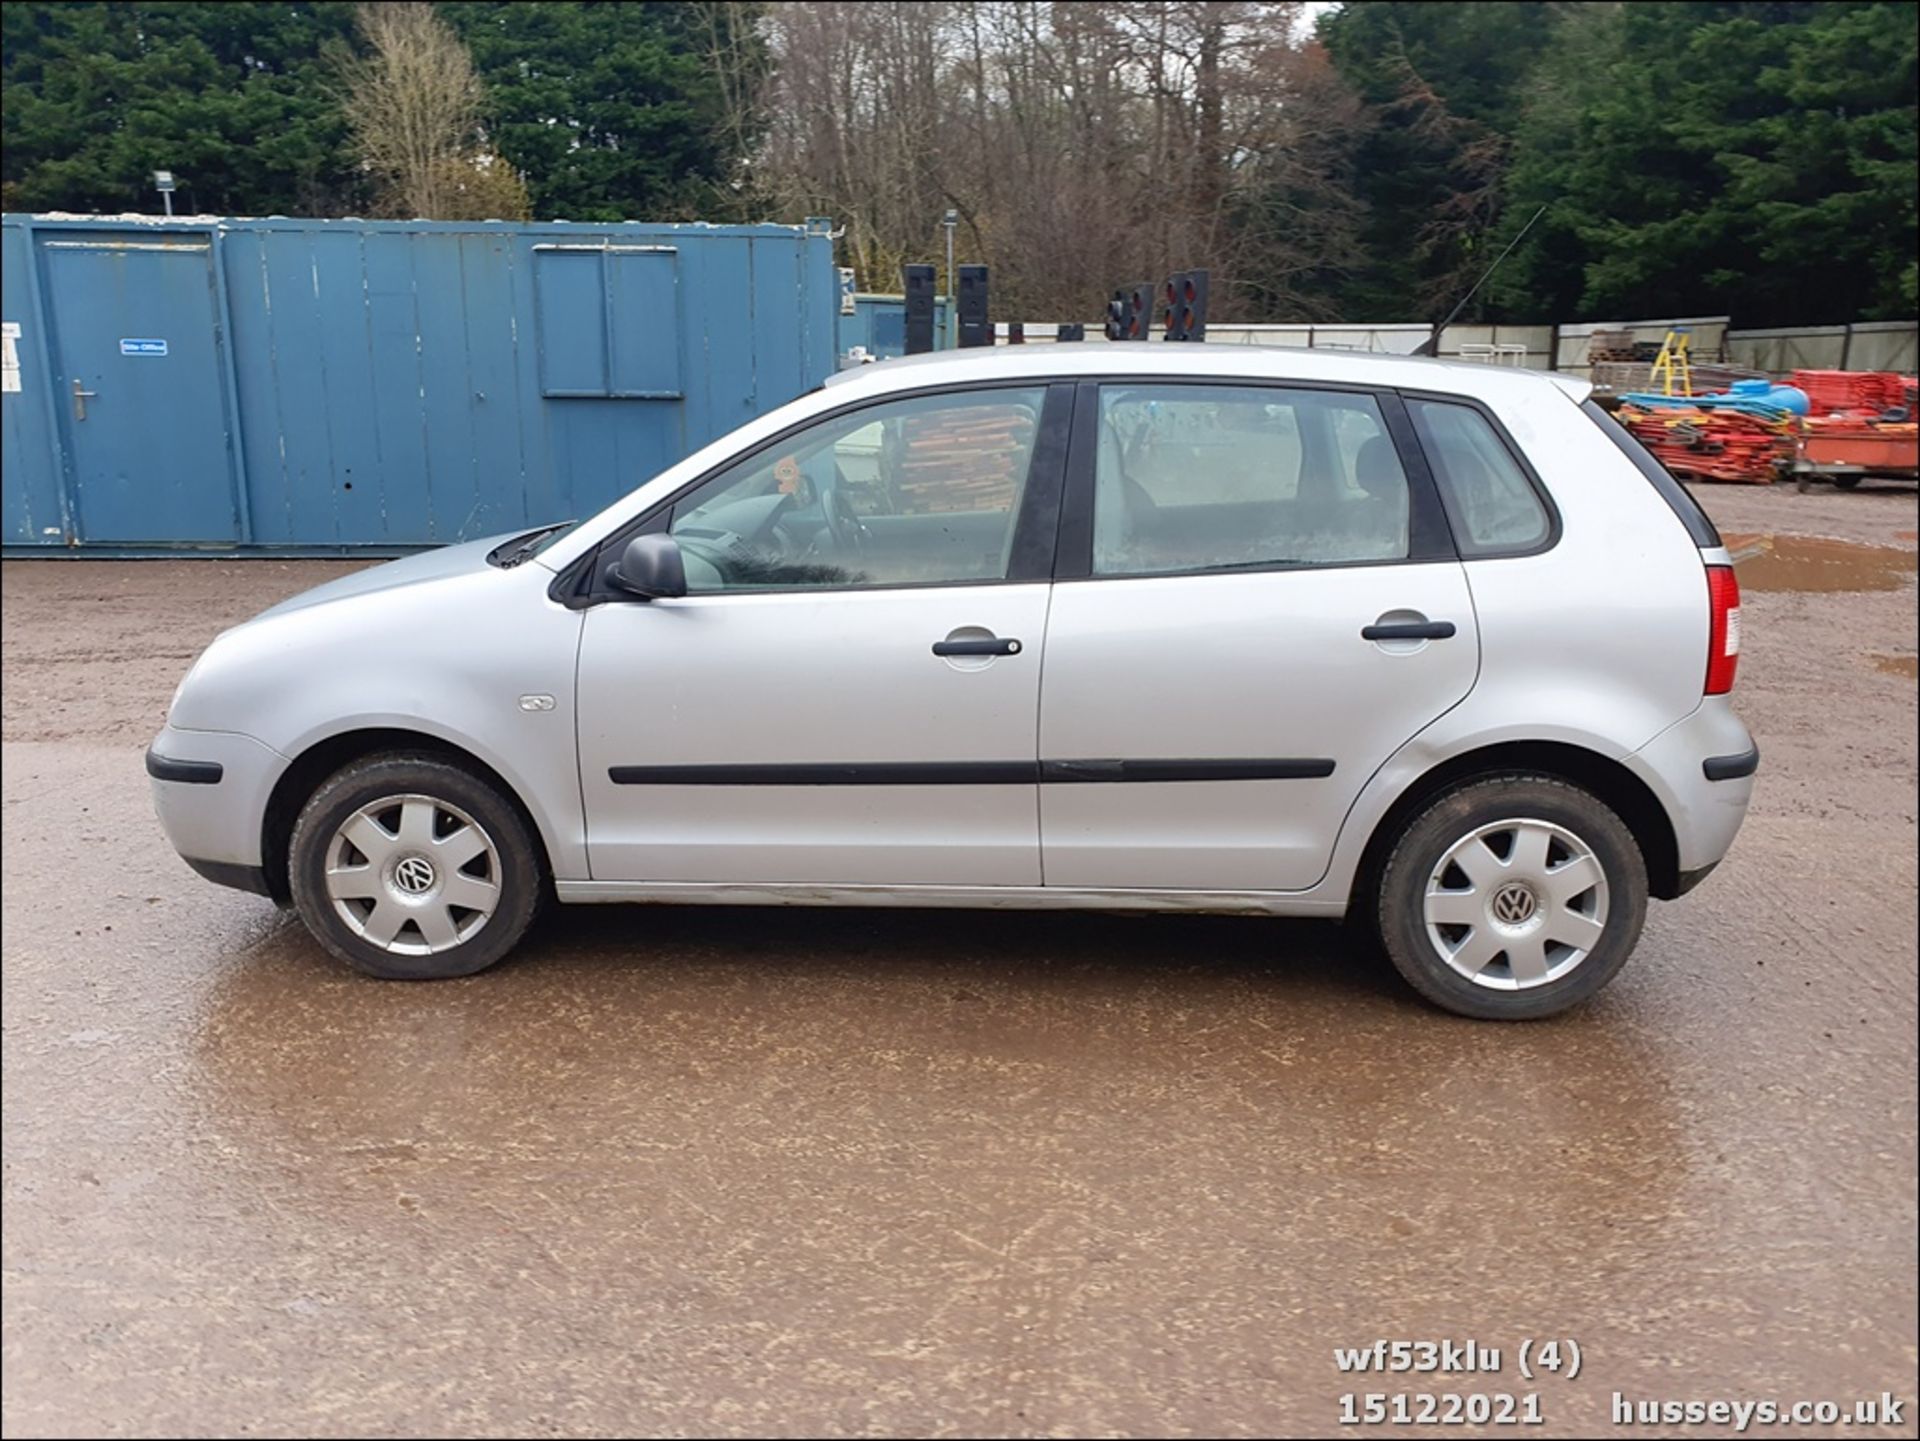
[143,347]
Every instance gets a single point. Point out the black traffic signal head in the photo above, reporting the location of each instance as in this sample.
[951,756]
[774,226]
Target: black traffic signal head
[1170,298]
[1194,301]
[917,285]
[971,306]
[1139,312]
[1186,301]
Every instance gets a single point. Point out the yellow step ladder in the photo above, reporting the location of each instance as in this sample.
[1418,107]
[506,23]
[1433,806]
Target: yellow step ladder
[1672,370]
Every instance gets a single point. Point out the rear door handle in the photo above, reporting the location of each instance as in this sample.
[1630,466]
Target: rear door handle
[1408,630]
[978,645]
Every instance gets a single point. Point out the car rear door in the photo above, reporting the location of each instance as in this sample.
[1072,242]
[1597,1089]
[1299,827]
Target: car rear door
[849,692]
[1256,602]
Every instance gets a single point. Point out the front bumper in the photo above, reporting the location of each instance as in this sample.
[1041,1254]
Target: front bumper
[210,791]
[240,878]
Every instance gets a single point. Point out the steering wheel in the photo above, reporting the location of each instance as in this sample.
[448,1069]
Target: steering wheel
[849,532]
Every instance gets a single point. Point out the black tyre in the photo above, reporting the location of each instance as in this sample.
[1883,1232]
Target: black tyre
[1512,897]
[409,867]
[1845,482]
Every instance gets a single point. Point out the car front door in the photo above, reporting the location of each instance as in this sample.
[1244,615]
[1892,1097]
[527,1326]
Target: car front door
[1257,602]
[849,692]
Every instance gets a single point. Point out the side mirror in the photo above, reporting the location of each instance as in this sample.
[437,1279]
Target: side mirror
[650,568]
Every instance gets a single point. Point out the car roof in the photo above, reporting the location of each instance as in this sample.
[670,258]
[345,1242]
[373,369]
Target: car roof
[1212,361]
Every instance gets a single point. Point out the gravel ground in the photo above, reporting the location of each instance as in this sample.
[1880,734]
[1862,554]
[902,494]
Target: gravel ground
[792,1172]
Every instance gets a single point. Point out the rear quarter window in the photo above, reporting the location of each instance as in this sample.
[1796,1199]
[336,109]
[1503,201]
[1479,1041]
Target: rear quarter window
[1491,501]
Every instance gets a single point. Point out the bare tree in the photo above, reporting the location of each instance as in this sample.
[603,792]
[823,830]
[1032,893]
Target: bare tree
[854,124]
[1084,144]
[416,106]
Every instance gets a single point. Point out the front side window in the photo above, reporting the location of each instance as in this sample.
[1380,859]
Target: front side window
[912,492]
[1495,508]
[1222,477]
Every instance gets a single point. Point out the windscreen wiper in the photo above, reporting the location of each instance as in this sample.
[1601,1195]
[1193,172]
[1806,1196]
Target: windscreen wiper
[515,551]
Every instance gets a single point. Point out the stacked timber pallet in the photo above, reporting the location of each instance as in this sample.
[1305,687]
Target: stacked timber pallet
[961,460]
[1606,347]
[1612,377]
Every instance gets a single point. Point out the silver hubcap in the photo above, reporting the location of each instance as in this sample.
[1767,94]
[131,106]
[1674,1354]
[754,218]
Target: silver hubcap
[1516,904]
[413,875]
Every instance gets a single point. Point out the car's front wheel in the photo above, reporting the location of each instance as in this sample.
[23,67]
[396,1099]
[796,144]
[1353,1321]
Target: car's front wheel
[409,867]
[1512,897]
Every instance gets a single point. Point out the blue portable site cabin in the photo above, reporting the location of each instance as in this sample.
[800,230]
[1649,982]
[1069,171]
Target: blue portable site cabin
[878,324]
[340,386]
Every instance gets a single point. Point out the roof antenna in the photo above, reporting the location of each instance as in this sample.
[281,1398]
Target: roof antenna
[1431,345]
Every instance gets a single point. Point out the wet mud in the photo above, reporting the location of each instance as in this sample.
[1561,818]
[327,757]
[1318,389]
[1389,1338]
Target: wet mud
[754,1171]
[1817,563]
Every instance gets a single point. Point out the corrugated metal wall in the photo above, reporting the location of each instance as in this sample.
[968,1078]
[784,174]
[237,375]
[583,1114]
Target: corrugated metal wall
[346,384]
[878,324]
[1868,345]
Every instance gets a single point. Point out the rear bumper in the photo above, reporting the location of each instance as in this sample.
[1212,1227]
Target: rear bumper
[1731,768]
[210,791]
[1702,770]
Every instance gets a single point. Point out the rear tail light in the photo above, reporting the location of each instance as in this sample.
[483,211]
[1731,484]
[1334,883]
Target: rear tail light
[1723,634]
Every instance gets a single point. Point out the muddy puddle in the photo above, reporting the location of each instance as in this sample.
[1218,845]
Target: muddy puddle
[1906,666]
[1816,563]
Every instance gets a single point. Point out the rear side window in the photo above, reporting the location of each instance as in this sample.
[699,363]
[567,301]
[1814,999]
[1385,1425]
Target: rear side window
[1218,477]
[1493,505]
[1671,490]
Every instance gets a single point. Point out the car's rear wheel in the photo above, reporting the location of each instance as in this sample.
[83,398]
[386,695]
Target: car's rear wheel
[409,867]
[1512,897]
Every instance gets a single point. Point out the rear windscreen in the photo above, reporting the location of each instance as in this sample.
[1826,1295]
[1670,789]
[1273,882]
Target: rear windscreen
[1672,491]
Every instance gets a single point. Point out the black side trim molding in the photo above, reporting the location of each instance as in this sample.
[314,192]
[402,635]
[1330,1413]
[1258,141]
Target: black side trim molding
[193,773]
[1732,768]
[226,873]
[1071,772]
[874,773]
[972,773]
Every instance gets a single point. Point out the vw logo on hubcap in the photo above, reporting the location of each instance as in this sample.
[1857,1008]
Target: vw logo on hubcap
[1514,904]
[414,875]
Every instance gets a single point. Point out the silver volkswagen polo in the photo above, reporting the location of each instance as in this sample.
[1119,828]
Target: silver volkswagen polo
[1124,627]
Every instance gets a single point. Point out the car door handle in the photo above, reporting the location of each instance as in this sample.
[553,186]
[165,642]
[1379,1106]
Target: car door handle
[978,645]
[1408,630]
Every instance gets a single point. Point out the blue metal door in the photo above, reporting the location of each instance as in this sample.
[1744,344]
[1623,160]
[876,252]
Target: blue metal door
[140,387]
